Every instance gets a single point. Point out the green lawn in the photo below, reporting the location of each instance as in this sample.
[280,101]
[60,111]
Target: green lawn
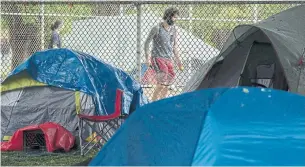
[43,159]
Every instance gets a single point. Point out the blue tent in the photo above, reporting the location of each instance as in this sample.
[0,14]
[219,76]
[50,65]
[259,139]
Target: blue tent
[74,70]
[221,126]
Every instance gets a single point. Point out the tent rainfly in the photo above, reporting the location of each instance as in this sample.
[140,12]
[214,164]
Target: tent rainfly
[268,54]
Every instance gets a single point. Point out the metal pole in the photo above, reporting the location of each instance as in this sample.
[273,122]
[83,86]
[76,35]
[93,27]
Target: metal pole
[164,2]
[121,49]
[87,16]
[139,14]
[121,10]
[255,10]
[190,17]
[191,30]
[42,25]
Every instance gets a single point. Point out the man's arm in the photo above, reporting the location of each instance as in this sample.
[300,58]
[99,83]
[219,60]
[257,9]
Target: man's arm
[176,51]
[149,38]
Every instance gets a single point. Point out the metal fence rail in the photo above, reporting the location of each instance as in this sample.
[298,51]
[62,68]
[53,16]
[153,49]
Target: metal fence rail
[115,31]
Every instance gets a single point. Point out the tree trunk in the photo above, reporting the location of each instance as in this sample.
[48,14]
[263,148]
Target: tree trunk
[24,38]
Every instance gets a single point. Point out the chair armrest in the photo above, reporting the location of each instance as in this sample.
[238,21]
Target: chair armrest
[116,114]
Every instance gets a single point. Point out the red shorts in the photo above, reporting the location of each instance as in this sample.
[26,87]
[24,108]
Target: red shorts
[164,69]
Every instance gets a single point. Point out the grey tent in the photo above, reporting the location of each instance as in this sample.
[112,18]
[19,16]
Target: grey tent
[267,54]
[40,104]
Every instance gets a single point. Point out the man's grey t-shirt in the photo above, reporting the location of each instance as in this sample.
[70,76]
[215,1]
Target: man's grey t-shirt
[55,40]
[163,41]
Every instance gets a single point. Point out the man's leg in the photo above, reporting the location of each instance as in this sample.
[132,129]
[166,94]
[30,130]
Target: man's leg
[163,92]
[169,78]
[157,92]
[161,69]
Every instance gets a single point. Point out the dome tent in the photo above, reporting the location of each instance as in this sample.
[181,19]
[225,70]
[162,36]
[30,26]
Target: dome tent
[209,127]
[270,53]
[57,84]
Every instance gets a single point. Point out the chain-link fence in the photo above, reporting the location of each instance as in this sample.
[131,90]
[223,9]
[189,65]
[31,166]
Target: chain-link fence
[116,31]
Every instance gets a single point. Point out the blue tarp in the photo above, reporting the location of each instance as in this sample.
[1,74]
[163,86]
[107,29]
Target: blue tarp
[75,70]
[213,127]
[144,67]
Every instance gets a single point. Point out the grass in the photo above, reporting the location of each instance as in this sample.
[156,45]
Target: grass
[14,158]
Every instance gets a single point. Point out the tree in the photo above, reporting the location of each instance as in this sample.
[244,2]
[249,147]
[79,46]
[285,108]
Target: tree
[25,30]
[220,19]
[14,24]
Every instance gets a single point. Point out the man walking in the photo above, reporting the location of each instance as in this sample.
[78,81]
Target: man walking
[164,52]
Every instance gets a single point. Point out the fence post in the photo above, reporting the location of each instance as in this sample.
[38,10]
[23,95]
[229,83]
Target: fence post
[255,13]
[139,20]
[42,25]
[189,59]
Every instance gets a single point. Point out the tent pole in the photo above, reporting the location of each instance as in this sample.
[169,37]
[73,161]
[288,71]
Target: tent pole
[139,14]
[255,14]
[42,20]
[244,66]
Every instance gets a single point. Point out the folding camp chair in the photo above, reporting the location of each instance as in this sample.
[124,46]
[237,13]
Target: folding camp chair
[102,127]
[264,76]
[260,66]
